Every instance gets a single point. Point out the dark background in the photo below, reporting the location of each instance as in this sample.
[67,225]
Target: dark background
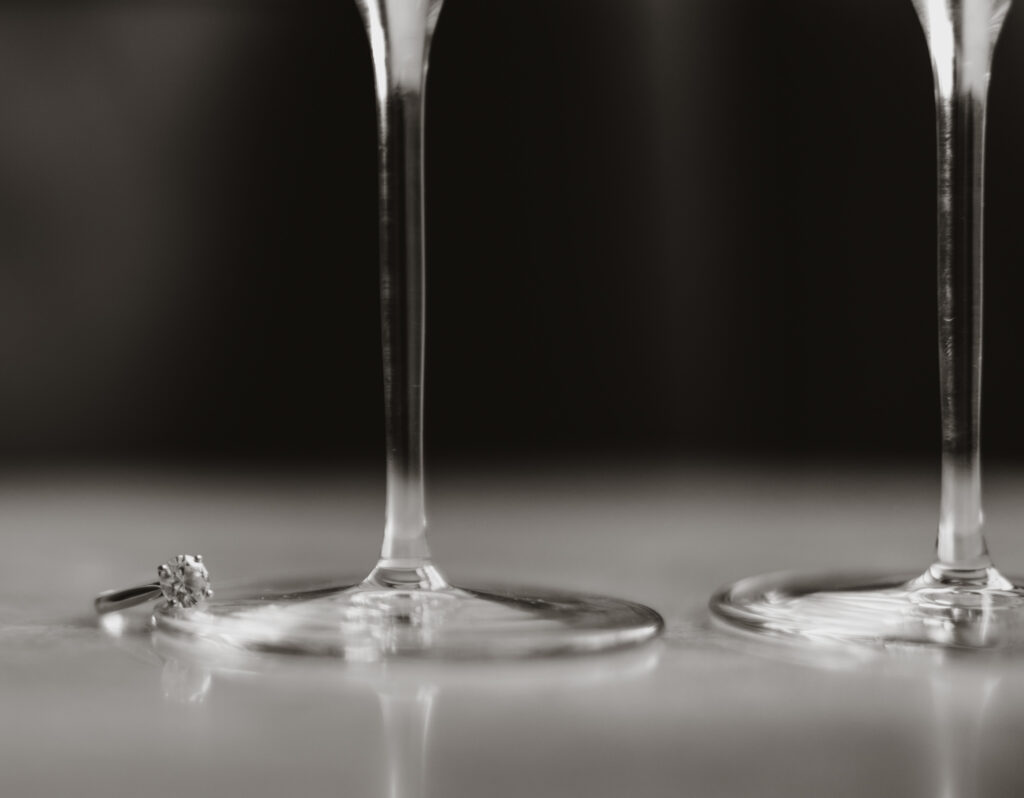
[656,227]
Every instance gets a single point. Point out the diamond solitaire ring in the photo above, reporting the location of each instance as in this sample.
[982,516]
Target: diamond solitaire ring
[182,581]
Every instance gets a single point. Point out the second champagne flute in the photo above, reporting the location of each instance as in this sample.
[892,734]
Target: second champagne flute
[961,600]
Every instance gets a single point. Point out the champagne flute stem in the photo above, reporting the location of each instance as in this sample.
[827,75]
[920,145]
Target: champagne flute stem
[961,38]
[400,32]
[402,316]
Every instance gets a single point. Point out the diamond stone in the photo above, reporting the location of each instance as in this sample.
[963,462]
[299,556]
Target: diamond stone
[184,581]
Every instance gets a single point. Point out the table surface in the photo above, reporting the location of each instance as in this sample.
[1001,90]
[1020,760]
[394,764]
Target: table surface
[90,713]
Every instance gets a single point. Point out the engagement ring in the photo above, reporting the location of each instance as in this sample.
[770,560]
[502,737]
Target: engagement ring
[182,581]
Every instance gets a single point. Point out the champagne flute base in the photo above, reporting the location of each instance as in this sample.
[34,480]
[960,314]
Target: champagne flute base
[369,621]
[877,609]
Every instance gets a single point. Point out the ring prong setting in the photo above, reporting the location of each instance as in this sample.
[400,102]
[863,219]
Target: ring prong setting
[184,581]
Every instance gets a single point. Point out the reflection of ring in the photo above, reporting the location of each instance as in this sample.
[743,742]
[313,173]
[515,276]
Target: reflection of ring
[183,582]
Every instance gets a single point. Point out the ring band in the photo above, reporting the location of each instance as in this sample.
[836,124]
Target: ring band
[116,600]
[183,581]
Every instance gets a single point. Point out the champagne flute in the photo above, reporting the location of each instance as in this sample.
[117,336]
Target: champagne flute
[405,606]
[961,599]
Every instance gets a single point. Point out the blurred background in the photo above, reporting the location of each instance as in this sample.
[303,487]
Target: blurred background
[656,228]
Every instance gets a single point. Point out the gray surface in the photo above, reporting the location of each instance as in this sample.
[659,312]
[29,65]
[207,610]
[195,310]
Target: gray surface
[88,714]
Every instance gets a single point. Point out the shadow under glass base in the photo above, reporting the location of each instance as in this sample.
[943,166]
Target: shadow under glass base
[924,609]
[376,620]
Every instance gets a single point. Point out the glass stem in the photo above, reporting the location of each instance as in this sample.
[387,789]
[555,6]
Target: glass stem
[961,38]
[400,32]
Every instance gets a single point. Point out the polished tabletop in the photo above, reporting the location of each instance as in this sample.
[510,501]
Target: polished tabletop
[113,711]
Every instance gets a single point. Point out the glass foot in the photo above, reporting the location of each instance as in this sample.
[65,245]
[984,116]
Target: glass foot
[390,615]
[985,610]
